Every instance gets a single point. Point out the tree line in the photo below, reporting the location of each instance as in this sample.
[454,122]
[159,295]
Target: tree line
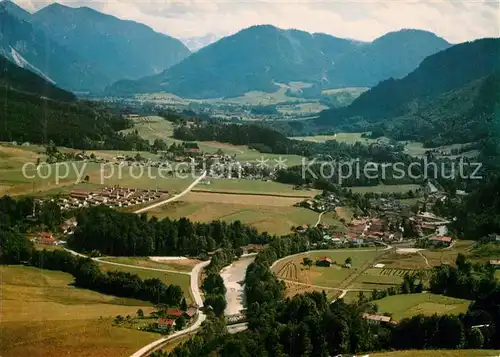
[126,234]
[15,248]
[27,213]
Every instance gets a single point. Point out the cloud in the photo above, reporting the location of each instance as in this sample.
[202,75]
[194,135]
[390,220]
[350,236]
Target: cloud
[456,21]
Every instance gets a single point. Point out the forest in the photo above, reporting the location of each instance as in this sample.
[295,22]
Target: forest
[126,234]
[76,124]
[476,214]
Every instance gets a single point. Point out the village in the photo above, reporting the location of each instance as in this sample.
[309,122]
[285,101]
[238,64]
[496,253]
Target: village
[386,223]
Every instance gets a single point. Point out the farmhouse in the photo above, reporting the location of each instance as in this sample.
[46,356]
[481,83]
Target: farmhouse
[324,262]
[376,319]
[442,240]
[173,313]
[46,238]
[191,312]
[165,324]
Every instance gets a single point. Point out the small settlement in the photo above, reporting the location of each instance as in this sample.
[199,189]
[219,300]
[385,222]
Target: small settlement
[386,222]
[113,197]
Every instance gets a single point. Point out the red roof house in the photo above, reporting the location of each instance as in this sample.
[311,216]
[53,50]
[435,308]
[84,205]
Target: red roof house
[164,324]
[174,312]
[191,312]
[324,261]
[46,238]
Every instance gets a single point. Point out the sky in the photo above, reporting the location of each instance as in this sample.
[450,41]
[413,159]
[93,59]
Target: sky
[365,20]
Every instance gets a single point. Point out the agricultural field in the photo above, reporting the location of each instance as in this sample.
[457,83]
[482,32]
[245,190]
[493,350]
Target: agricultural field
[254,187]
[348,138]
[181,265]
[275,215]
[154,127]
[385,188]
[375,278]
[345,213]
[263,98]
[183,280]
[292,289]
[41,311]
[309,107]
[418,150]
[401,306]
[334,276]
[438,353]
[425,259]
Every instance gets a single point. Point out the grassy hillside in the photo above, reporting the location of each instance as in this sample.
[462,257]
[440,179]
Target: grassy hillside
[43,315]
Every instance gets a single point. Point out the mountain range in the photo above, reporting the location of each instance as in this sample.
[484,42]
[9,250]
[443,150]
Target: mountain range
[197,43]
[258,57]
[446,99]
[81,49]
[121,49]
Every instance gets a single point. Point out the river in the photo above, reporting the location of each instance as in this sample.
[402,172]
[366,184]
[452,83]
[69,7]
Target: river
[233,276]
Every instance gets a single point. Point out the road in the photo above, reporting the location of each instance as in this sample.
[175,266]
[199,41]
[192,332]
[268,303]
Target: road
[195,291]
[176,197]
[319,219]
[194,274]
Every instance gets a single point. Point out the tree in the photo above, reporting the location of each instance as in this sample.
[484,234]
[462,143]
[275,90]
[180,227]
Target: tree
[214,284]
[307,262]
[348,261]
[475,339]
[180,322]
[217,302]
[184,305]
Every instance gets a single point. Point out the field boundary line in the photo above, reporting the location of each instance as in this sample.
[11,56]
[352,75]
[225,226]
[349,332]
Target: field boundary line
[247,193]
[320,286]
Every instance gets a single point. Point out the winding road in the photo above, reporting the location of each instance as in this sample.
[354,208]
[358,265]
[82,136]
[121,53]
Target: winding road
[176,197]
[319,219]
[195,291]
[194,274]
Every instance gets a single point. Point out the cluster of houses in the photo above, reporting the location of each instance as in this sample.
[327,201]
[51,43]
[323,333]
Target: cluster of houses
[114,197]
[47,238]
[321,203]
[363,231]
[168,321]
[428,223]
[389,207]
